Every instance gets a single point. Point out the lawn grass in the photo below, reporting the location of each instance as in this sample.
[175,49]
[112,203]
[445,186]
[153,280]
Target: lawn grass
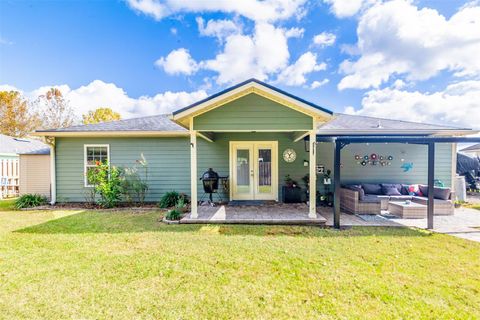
[6,204]
[123,265]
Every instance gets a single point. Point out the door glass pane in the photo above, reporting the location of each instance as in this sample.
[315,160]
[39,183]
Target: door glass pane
[243,171]
[264,170]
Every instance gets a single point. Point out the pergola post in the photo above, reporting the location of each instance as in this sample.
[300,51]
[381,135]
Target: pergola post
[431,179]
[336,184]
[312,212]
[193,172]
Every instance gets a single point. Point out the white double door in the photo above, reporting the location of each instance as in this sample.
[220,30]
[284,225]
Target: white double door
[254,170]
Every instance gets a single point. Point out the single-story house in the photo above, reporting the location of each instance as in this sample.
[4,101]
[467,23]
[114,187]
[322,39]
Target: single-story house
[24,166]
[253,135]
[473,150]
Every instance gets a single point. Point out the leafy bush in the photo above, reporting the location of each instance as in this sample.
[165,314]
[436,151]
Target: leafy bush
[29,201]
[173,214]
[181,204]
[135,185]
[169,199]
[109,184]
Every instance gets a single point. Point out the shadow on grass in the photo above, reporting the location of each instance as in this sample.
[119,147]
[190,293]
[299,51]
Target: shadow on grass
[91,222]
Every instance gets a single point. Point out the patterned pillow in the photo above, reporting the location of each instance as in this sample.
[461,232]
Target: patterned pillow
[413,190]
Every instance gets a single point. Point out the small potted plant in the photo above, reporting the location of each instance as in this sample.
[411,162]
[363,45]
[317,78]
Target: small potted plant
[292,193]
[289,182]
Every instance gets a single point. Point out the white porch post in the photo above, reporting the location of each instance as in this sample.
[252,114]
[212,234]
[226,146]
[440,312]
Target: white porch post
[312,212]
[53,178]
[193,171]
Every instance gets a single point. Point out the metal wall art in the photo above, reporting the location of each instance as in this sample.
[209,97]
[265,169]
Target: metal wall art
[374,160]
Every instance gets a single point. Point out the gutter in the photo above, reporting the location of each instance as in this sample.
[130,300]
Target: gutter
[50,141]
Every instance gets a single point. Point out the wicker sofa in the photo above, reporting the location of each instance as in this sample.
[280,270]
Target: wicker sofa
[351,202]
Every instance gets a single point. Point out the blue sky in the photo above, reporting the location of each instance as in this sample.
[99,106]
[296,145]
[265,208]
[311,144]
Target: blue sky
[146,56]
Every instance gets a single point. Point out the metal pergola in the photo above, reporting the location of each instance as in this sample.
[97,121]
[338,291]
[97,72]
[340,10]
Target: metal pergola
[341,141]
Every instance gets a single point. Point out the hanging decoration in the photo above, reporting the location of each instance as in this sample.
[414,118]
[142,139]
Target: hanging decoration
[407,166]
[375,159]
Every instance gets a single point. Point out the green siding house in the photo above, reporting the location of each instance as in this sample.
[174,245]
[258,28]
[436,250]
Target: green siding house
[252,133]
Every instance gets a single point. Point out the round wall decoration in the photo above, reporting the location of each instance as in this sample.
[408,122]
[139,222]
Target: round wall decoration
[289,155]
[365,157]
[373,156]
[357,157]
[390,158]
[363,163]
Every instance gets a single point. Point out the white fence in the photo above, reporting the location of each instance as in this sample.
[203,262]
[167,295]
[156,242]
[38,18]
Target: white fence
[9,177]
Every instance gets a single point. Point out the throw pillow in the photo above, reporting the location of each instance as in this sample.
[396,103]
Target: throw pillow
[441,193]
[423,189]
[390,191]
[371,188]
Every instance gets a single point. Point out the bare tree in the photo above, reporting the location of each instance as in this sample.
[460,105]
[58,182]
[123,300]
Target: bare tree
[56,111]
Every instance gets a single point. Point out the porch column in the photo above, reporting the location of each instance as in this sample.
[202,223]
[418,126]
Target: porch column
[193,172]
[312,212]
[431,181]
[336,184]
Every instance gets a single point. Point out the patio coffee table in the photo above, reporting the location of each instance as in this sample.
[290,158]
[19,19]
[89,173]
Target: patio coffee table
[407,210]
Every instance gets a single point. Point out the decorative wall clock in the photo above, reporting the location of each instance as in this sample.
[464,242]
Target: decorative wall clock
[289,155]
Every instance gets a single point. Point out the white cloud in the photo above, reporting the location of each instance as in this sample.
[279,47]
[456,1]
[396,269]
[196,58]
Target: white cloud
[151,8]
[267,10]
[258,55]
[294,32]
[457,105]
[317,84]
[7,87]
[397,38]
[100,94]
[294,75]
[324,39]
[345,8]
[218,28]
[178,62]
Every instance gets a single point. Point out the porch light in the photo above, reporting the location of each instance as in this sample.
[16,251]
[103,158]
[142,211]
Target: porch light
[305,163]
[307,145]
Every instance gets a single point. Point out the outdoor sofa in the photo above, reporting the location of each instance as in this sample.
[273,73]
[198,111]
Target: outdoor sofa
[368,198]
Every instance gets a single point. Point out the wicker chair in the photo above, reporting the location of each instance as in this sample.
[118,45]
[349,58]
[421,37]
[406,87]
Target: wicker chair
[349,203]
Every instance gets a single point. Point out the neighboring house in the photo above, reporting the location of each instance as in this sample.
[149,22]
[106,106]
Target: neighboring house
[240,131]
[473,150]
[24,166]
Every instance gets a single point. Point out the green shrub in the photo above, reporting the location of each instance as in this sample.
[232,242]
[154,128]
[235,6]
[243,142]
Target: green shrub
[169,199]
[181,204]
[108,185]
[29,201]
[173,214]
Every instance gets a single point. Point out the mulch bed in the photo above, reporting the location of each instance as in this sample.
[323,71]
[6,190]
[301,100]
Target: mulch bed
[91,206]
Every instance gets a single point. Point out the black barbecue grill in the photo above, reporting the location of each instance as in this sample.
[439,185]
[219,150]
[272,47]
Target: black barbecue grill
[210,180]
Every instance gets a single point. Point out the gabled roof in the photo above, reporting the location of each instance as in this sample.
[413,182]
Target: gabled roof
[475,147]
[355,124]
[13,146]
[246,87]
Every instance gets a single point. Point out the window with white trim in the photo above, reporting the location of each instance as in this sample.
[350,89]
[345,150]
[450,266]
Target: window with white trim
[94,154]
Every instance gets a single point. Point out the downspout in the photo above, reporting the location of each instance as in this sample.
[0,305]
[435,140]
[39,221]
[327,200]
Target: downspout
[53,180]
